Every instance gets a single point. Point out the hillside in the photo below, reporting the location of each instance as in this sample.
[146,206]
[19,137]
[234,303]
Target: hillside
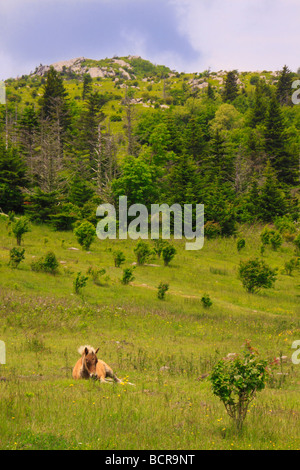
[153,85]
[83,132]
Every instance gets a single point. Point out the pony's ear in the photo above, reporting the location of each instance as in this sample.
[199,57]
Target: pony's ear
[86,351]
[97,350]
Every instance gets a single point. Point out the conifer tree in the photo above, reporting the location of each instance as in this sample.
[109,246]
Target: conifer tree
[231,89]
[54,103]
[12,179]
[258,112]
[284,86]
[87,85]
[272,198]
[276,145]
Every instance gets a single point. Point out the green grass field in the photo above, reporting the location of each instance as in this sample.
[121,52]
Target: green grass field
[164,347]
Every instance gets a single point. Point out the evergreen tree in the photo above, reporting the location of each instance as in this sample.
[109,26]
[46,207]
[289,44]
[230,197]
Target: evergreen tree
[210,92]
[28,136]
[88,126]
[272,198]
[87,85]
[12,179]
[276,145]
[231,88]
[284,87]
[54,102]
[183,181]
[258,112]
[220,162]
[194,142]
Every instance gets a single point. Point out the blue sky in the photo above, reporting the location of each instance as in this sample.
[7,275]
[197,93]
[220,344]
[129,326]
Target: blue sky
[186,35]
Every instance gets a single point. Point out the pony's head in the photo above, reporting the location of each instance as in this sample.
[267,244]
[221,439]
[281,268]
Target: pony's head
[89,360]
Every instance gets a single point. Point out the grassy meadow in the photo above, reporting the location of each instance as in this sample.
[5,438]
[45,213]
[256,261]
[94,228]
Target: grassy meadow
[165,348]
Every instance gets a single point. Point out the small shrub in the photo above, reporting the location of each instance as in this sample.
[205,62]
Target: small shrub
[143,252]
[168,254]
[255,275]
[159,245]
[47,264]
[291,265]
[79,283]
[212,230]
[265,236]
[241,243]
[127,276]
[276,241]
[162,290]
[16,255]
[237,380]
[19,228]
[119,258]
[271,237]
[285,225]
[96,273]
[206,301]
[85,234]
[297,244]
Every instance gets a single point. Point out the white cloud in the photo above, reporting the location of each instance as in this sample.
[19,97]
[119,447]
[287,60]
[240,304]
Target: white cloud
[247,35]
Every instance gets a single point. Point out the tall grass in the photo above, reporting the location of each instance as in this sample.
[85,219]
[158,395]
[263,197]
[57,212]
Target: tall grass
[165,348]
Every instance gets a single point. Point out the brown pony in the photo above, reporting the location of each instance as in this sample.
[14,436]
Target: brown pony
[89,366]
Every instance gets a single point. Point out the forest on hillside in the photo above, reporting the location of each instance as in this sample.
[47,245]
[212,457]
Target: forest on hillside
[233,148]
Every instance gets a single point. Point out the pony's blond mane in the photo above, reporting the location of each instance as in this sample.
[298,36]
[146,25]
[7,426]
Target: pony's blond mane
[89,348]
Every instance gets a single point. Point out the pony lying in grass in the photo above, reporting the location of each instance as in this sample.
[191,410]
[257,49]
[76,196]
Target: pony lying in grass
[89,366]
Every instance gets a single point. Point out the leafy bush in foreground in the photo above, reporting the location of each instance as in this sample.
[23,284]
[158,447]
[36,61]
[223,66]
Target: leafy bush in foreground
[236,379]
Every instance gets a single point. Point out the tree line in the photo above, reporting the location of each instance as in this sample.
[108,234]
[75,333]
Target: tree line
[235,151]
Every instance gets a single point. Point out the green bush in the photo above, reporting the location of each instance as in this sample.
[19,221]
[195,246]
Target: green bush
[96,273]
[119,258]
[168,254]
[66,218]
[271,237]
[241,243]
[276,241]
[127,276]
[159,245]
[297,243]
[285,224]
[236,381]
[143,252]
[206,301]
[85,234]
[79,283]
[255,275]
[47,264]
[16,255]
[291,265]
[19,228]
[212,230]
[162,290]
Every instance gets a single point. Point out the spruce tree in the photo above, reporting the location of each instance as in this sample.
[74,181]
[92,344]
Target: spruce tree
[281,157]
[87,85]
[231,88]
[258,112]
[284,86]
[54,103]
[12,179]
[272,198]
